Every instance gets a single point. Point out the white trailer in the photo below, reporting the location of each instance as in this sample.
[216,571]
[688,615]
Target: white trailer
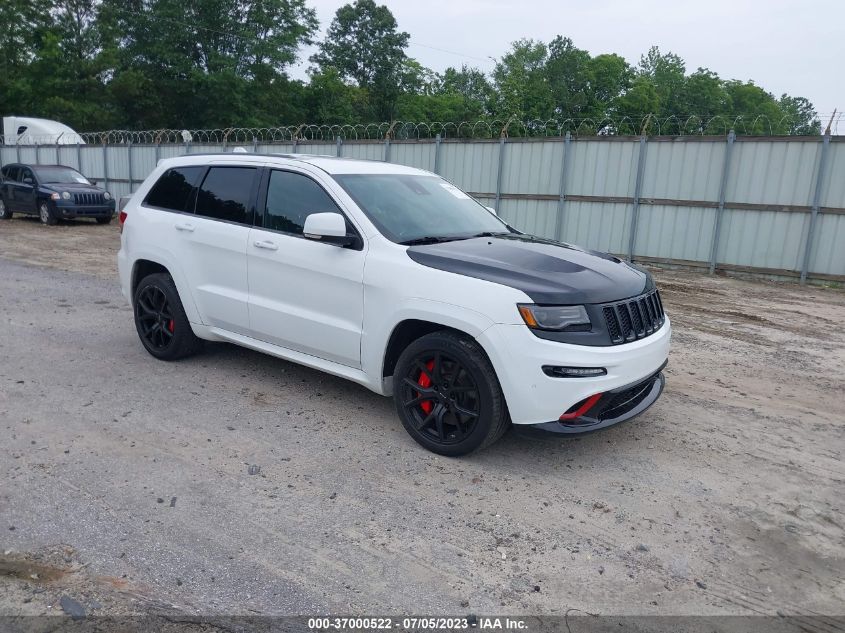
[20,130]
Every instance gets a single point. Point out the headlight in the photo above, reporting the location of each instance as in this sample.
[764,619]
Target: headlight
[556,318]
[107,195]
[55,196]
[66,195]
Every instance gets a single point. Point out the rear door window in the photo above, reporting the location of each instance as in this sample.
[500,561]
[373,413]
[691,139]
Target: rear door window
[226,194]
[173,190]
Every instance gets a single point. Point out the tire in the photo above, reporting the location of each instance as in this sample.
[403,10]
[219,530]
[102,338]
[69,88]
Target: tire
[5,212]
[160,319]
[104,220]
[466,410]
[45,213]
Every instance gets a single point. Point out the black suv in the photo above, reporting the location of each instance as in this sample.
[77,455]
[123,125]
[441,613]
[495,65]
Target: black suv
[52,192]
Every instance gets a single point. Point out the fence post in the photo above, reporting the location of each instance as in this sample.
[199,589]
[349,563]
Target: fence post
[437,140]
[339,150]
[499,171]
[17,151]
[254,144]
[562,199]
[294,143]
[79,156]
[37,154]
[814,213]
[720,210]
[387,150]
[158,151]
[105,166]
[635,213]
[129,161]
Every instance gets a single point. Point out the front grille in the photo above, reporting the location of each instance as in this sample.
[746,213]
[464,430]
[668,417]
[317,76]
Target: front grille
[89,199]
[633,319]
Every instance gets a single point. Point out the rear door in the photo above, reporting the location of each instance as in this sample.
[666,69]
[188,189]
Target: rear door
[213,248]
[305,295]
[7,182]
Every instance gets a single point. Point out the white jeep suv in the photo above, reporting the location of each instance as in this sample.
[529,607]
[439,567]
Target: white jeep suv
[396,279]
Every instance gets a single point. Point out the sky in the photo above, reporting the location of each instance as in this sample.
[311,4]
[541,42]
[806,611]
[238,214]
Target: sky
[785,47]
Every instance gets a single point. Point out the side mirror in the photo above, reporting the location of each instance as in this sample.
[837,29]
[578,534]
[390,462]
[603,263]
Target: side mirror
[492,210]
[327,227]
[93,182]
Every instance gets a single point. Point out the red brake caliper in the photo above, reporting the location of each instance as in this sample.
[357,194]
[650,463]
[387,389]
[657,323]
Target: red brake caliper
[425,382]
[171,325]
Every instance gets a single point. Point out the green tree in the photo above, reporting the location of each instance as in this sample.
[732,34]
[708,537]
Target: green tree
[521,85]
[364,45]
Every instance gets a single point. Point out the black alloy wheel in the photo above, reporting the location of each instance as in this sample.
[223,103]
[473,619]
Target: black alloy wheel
[155,317]
[441,398]
[160,319]
[447,394]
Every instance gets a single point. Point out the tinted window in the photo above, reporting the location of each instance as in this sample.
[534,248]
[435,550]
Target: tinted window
[226,194]
[174,188]
[13,173]
[26,173]
[291,198]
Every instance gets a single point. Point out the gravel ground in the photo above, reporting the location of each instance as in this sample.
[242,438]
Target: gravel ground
[125,482]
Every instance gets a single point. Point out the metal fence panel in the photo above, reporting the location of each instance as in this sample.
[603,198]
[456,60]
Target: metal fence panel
[828,254]
[763,239]
[773,172]
[419,155]
[601,226]
[472,166]
[536,217]
[683,170]
[604,168]
[362,150]
[672,232]
[833,185]
[532,167]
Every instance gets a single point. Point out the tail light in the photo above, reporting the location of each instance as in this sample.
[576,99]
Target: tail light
[121,214]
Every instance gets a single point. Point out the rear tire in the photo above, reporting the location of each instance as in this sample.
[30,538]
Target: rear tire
[104,220]
[448,396]
[160,319]
[45,213]
[5,212]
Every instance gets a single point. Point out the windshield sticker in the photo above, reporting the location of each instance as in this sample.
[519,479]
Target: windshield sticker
[460,195]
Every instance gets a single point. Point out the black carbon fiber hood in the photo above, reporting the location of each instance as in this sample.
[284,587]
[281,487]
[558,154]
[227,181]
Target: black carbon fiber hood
[549,272]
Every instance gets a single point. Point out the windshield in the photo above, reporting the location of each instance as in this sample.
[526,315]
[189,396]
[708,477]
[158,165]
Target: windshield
[408,208]
[64,175]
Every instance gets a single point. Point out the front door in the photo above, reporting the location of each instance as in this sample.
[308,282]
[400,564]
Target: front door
[24,191]
[303,294]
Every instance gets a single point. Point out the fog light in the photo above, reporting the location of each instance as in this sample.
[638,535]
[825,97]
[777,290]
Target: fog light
[573,372]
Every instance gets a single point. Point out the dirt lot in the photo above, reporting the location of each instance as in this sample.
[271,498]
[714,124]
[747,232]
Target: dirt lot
[125,485]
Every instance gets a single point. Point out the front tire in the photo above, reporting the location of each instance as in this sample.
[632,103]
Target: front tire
[5,212]
[448,396]
[160,319]
[45,213]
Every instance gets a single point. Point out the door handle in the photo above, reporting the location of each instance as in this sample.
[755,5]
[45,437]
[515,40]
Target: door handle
[185,227]
[270,246]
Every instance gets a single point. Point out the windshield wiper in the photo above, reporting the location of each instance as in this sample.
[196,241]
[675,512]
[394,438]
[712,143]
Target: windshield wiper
[431,239]
[491,233]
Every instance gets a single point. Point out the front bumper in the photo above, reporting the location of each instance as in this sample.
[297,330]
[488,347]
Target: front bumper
[70,210]
[613,407]
[536,398]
